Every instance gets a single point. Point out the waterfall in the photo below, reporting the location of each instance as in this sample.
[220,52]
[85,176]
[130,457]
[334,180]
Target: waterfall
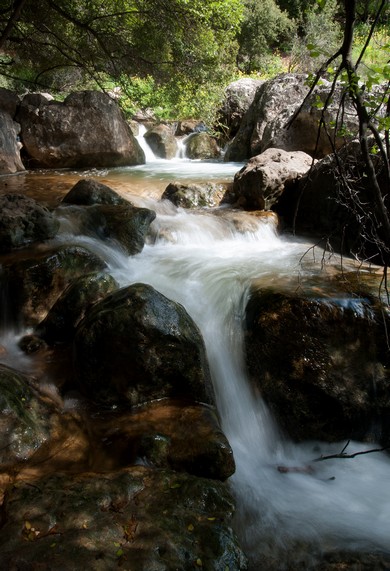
[207,265]
[149,154]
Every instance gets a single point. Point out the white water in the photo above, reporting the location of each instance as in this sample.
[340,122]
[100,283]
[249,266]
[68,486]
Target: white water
[203,262]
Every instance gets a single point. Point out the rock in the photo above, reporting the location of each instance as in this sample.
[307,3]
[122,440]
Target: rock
[265,125]
[168,434]
[136,346]
[194,195]
[262,180]
[201,146]
[24,418]
[37,282]
[138,519]
[162,141]
[188,127]
[319,363]
[10,161]
[87,192]
[123,224]
[23,221]
[86,130]
[59,325]
[320,206]
[238,97]
[9,101]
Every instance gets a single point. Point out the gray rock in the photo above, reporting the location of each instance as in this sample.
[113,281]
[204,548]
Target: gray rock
[88,192]
[86,130]
[23,221]
[202,146]
[238,97]
[161,140]
[10,161]
[194,195]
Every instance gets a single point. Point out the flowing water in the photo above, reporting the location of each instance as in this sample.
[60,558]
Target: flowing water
[207,263]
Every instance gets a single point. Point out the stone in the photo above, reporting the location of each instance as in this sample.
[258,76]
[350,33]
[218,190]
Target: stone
[122,225]
[266,123]
[258,185]
[194,195]
[23,222]
[201,146]
[238,97]
[87,192]
[137,346]
[36,282]
[86,130]
[136,519]
[319,363]
[10,161]
[9,101]
[161,140]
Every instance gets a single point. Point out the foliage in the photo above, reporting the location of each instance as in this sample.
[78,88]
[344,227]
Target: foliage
[264,28]
[322,34]
[56,45]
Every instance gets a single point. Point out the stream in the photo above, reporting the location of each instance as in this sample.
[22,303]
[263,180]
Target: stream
[207,263]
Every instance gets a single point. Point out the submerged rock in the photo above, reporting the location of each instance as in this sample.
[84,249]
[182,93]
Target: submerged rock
[137,519]
[23,221]
[319,364]
[136,346]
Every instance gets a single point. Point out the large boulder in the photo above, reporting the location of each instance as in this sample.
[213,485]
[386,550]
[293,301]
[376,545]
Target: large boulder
[238,97]
[10,161]
[86,130]
[161,140]
[333,203]
[320,363]
[23,222]
[258,185]
[137,519]
[136,346]
[266,123]
[9,101]
[33,284]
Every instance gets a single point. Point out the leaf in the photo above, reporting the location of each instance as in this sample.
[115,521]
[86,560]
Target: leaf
[190,527]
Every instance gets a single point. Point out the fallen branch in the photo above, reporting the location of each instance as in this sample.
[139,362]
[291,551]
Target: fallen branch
[343,455]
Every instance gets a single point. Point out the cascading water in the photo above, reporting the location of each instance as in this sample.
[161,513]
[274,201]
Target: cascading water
[205,263]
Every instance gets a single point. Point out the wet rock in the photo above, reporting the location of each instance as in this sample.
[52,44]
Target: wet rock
[162,141]
[86,130]
[135,519]
[24,418]
[23,221]
[194,195]
[10,161]
[122,224]
[187,127]
[35,283]
[319,364]
[184,437]
[202,146]
[265,125]
[258,185]
[59,326]
[87,192]
[136,346]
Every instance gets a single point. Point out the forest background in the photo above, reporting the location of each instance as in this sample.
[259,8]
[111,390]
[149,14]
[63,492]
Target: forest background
[176,57]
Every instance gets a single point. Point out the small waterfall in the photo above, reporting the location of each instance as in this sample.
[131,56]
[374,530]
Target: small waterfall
[149,154]
[207,266]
